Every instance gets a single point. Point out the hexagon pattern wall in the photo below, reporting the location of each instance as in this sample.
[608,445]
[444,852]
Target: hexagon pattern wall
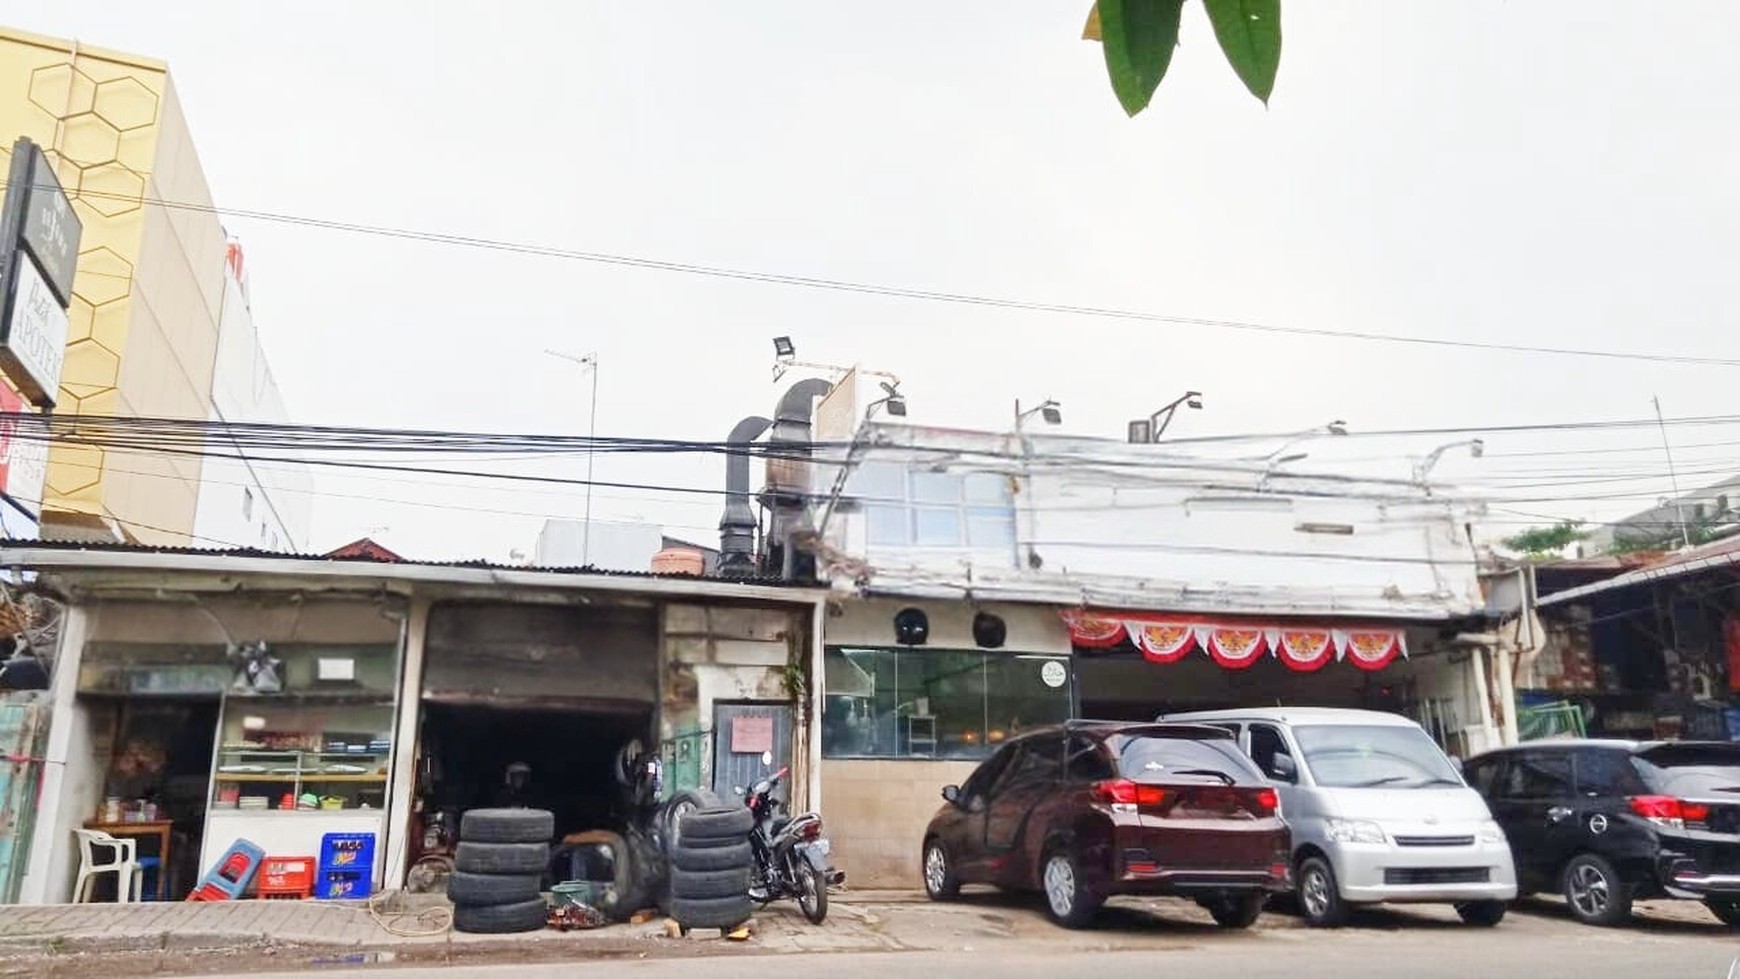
[104,117]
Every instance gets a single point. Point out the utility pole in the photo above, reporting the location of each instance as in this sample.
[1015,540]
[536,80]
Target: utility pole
[1673,477]
[588,363]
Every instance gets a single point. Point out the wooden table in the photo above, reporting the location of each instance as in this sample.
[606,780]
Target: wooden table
[159,829]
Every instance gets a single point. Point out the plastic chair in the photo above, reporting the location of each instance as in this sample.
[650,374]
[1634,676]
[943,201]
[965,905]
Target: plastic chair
[122,860]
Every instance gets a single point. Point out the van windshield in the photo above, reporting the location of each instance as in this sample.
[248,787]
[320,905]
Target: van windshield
[1374,756]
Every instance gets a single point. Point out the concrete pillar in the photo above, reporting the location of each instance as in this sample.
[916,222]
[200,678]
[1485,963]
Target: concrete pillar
[47,877]
[402,795]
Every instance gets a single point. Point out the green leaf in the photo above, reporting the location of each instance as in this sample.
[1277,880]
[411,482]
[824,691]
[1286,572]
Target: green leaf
[1138,36]
[1249,32]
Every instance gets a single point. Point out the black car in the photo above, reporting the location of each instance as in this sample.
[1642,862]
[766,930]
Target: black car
[1609,822]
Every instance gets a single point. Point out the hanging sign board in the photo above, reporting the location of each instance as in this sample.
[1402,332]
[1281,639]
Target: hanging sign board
[39,249]
[23,456]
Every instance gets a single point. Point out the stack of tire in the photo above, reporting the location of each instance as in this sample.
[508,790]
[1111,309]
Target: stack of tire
[497,881]
[710,867]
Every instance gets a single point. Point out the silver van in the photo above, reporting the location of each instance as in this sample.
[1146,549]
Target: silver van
[1378,813]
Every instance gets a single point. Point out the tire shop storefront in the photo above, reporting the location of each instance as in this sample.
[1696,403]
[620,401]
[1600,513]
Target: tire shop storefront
[448,679]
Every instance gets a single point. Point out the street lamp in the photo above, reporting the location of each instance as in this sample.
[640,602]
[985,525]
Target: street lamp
[589,363]
[1476,448]
[892,400]
[1144,430]
[1280,455]
[1049,410]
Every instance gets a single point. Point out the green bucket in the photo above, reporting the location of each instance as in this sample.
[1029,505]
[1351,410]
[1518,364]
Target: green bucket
[580,893]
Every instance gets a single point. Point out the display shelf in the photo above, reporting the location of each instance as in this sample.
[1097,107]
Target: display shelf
[304,777]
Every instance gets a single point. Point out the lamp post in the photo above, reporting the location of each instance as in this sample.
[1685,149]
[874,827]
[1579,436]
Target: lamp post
[1476,448]
[589,363]
[1151,428]
[1048,409]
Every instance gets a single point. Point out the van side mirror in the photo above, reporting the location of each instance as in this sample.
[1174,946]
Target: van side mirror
[1284,769]
[952,794]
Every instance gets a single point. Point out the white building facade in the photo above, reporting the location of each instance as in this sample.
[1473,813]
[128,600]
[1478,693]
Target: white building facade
[243,502]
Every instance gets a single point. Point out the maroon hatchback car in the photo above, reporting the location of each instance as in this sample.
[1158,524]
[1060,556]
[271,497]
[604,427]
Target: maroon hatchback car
[1093,809]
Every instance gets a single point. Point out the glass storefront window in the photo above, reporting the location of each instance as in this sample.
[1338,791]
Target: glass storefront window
[937,703]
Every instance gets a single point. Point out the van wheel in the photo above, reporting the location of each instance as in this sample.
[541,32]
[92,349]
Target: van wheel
[1067,899]
[1481,914]
[1319,895]
[1595,892]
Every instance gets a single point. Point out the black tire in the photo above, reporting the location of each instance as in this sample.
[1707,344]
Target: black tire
[942,884]
[719,825]
[719,912]
[703,884]
[502,858]
[1594,891]
[733,857]
[812,891]
[487,890]
[1726,910]
[501,919]
[507,826]
[679,805]
[1320,902]
[1236,910]
[1482,914]
[1068,901]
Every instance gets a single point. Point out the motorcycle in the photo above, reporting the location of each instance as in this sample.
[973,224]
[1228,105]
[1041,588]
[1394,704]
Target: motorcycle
[791,854]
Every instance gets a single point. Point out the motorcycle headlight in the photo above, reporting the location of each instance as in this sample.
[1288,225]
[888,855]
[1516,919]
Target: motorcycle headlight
[1491,832]
[1355,831]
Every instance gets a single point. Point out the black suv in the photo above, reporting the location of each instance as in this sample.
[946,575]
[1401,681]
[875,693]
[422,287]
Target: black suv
[1607,822]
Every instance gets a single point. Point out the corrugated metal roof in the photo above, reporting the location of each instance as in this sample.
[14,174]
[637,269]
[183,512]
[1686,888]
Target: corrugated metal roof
[476,564]
[1719,554]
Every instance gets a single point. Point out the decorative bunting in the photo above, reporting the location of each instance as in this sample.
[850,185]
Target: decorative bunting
[1303,650]
[1236,645]
[1163,642]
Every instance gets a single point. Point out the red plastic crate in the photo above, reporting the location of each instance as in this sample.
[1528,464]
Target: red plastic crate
[286,877]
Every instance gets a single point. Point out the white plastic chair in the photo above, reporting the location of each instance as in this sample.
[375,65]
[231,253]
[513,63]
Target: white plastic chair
[122,859]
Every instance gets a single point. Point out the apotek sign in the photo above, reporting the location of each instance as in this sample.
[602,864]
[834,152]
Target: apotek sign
[39,250]
[23,454]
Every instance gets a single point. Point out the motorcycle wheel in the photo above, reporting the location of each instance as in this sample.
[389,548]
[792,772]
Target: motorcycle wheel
[812,895]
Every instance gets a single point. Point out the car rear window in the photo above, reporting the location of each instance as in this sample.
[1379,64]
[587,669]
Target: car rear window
[1150,758]
[1692,770]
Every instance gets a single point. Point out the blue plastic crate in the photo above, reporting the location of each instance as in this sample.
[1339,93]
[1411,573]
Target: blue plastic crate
[348,851]
[343,885]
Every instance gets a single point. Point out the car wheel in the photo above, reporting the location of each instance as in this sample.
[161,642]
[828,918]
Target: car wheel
[1595,892]
[719,912]
[1320,896]
[487,890]
[1067,899]
[1236,910]
[731,857]
[940,882]
[717,826]
[502,858]
[501,919]
[1482,914]
[1725,909]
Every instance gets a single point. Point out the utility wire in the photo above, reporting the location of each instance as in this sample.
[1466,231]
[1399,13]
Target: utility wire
[890,291]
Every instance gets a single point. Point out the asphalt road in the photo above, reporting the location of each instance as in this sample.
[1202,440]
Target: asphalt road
[1418,944]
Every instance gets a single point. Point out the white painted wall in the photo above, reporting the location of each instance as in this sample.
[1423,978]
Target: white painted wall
[242,503]
[613,546]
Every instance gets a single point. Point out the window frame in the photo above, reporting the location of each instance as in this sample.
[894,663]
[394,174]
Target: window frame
[966,508]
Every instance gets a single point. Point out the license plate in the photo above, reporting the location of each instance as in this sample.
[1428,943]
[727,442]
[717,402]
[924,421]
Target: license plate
[817,854]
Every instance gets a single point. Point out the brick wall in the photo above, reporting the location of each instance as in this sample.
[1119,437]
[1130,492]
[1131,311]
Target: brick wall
[876,811]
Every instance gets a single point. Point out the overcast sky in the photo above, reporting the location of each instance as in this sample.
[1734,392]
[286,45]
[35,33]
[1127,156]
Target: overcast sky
[1552,173]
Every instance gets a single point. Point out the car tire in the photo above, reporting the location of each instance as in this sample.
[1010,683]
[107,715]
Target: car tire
[488,890]
[736,856]
[501,919]
[718,912]
[1320,901]
[1481,914]
[1236,911]
[507,826]
[940,882]
[680,805]
[1726,910]
[703,884]
[502,858]
[1594,891]
[717,826]
[1068,901]
[628,890]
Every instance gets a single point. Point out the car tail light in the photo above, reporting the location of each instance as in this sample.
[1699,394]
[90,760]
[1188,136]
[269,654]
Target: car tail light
[1264,802]
[1665,810]
[1123,792]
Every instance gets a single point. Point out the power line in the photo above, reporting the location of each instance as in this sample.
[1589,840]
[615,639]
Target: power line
[890,291]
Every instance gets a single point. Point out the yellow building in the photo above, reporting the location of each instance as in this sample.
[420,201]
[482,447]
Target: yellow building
[145,315]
